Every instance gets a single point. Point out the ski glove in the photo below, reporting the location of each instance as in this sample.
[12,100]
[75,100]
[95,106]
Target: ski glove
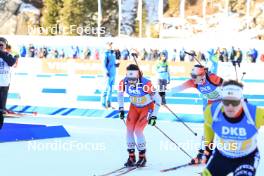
[202,157]
[152,120]
[121,113]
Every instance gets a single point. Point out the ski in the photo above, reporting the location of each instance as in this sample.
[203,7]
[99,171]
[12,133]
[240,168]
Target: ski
[13,114]
[121,171]
[176,167]
[129,169]
[114,171]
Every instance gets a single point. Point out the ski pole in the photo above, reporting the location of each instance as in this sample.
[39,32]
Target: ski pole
[134,55]
[173,141]
[194,56]
[243,76]
[236,72]
[180,120]
[124,121]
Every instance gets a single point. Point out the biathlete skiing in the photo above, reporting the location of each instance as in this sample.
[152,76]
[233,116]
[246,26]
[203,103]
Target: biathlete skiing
[145,103]
[233,124]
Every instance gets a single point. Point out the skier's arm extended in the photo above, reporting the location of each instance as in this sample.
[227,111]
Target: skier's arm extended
[216,79]
[183,86]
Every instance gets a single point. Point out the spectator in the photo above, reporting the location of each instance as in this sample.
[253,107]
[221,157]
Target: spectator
[23,51]
[118,54]
[150,56]
[252,55]
[212,62]
[163,75]
[174,55]
[6,62]
[238,56]
[62,54]
[87,53]
[56,53]
[31,51]
[201,56]
[41,53]
[224,54]
[182,54]
[218,55]
[144,54]
[262,57]
[75,52]
[192,55]
[96,54]
[155,54]
[45,52]
[125,54]
[232,54]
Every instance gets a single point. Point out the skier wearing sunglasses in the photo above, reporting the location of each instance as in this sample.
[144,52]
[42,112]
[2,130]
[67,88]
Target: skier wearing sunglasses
[209,85]
[233,124]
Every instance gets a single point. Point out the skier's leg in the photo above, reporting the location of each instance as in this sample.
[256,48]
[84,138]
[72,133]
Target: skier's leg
[1,107]
[132,117]
[247,165]
[139,128]
[110,90]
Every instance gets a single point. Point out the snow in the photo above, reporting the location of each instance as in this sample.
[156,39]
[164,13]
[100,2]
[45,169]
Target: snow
[97,146]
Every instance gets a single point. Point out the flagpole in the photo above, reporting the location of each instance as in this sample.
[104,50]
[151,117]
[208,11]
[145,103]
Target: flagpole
[99,18]
[119,16]
[160,16]
[139,17]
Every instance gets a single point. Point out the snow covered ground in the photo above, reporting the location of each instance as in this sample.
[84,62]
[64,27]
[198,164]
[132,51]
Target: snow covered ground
[97,146]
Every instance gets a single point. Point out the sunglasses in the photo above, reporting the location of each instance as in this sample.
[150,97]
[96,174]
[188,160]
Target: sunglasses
[232,102]
[132,79]
[194,76]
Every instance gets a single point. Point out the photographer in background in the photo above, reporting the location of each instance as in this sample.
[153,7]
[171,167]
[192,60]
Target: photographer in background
[6,62]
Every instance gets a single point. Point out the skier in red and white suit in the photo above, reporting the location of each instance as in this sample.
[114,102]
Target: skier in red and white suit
[145,103]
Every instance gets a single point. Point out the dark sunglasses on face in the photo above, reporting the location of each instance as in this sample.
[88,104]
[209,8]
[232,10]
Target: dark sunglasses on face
[194,76]
[1,44]
[232,102]
[132,79]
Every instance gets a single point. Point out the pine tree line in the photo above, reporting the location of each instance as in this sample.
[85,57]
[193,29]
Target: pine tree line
[77,17]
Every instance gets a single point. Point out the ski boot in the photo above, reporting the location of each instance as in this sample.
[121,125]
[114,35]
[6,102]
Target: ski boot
[131,159]
[142,159]
[109,104]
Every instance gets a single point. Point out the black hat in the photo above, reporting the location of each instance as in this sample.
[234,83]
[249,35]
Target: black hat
[2,39]
[132,67]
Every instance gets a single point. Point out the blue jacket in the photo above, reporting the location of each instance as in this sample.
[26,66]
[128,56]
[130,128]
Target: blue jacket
[109,63]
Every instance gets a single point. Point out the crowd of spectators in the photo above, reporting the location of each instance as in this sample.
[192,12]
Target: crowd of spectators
[178,54]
